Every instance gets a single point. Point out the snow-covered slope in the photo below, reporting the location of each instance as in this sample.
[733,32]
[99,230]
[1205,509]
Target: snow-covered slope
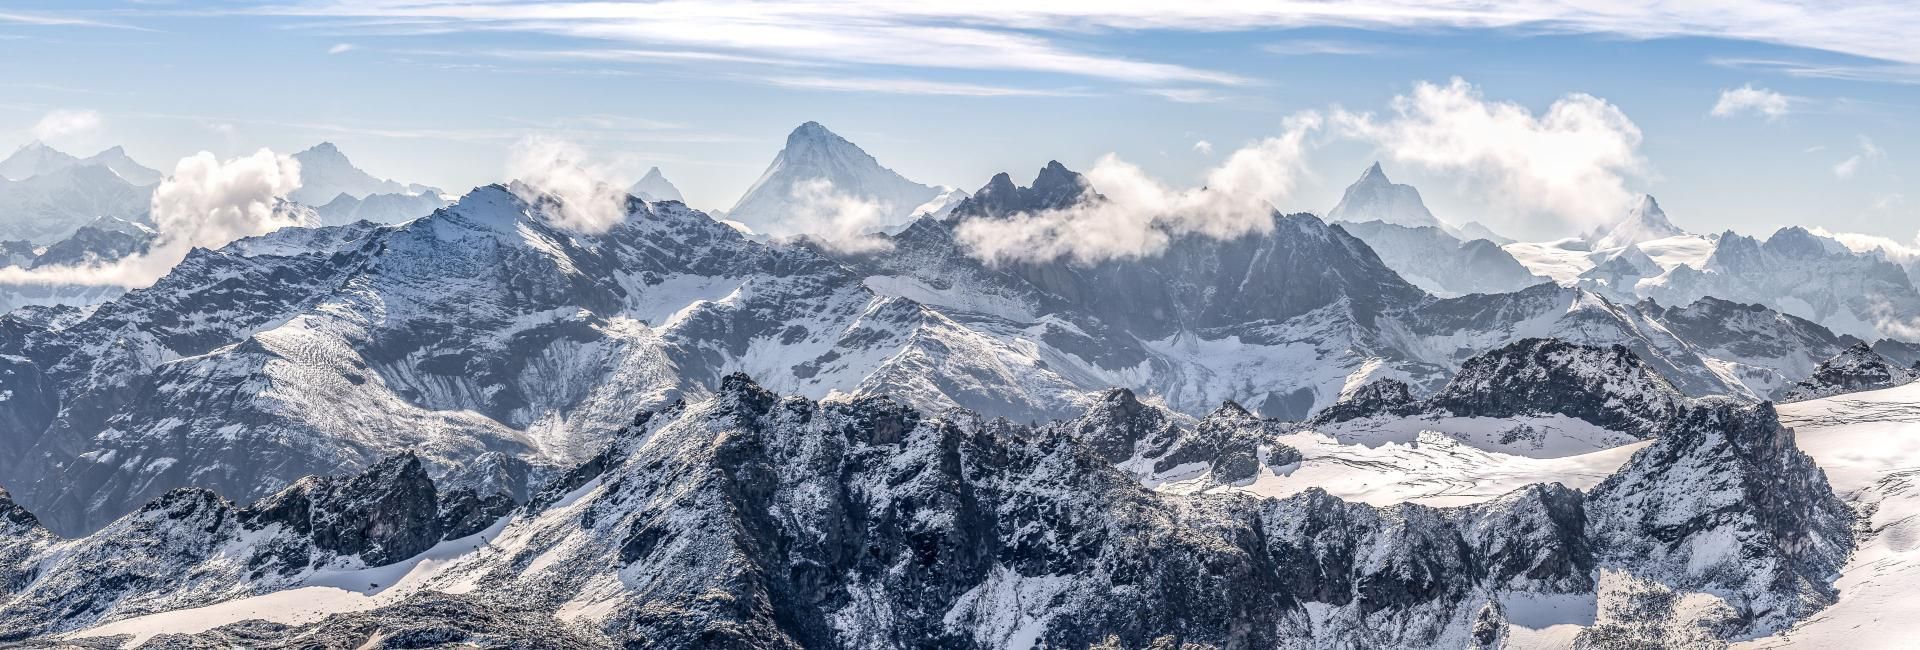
[1800,273]
[50,206]
[1868,444]
[1374,198]
[326,173]
[378,208]
[655,187]
[812,153]
[116,159]
[33,159]
[1441,264]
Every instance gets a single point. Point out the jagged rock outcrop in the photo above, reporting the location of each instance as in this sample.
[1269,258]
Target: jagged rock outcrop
[1725,504]
[1608,387]
[190,547]
[1857,368]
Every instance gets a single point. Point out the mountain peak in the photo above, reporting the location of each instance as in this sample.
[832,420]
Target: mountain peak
[1645,221]
[812,132]
[1374,198]
[1374,174]
[1053,188]
[654,186]
[813,154]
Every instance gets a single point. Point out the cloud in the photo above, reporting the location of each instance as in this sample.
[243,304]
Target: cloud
[1747,98]
[1868,152]
[49,20]
[1875,71]
[205,203]
[912,87]
[839,221]
[1043,36]
[1140,215]
[65,122]
[1188,95]
[1899,252]
[1311,47]
[340,48]
[581,196]
[1204,147]
[1569,164]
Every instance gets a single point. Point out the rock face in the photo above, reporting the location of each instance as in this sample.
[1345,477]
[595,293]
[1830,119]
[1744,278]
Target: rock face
[752,520]
[1608,386]
[1725,504]
[190,547]
[812,153]
[1857,368]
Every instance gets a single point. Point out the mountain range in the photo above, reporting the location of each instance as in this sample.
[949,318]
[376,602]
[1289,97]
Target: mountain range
[480,426]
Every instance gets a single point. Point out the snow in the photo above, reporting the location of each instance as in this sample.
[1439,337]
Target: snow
[1546,621]
[1432,468]
[322,594]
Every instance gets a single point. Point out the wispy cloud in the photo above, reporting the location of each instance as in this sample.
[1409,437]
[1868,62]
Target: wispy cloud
[1868,152]
[1314,47]
[1203,148]
[1879,72]
[913,87]
[61,20]
[340,48]
[1188,95]
[1020,36]
[1749,99]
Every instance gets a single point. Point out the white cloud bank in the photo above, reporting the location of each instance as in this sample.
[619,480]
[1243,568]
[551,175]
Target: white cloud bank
[1140,215]
[837,220]
[1748,99]
[584,196]
[1570,164]
[205,203]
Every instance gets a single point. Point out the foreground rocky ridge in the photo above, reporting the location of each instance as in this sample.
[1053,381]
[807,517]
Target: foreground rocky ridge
[752,520]
[191,548]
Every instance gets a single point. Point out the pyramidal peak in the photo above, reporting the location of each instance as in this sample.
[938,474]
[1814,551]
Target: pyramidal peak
[654,186]
[1644,222]
[813,154]
[1373,197]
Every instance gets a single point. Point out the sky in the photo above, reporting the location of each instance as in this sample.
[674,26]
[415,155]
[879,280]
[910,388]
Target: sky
[1539,119]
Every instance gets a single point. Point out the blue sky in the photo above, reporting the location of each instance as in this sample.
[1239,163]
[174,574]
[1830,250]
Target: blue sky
[438,92]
